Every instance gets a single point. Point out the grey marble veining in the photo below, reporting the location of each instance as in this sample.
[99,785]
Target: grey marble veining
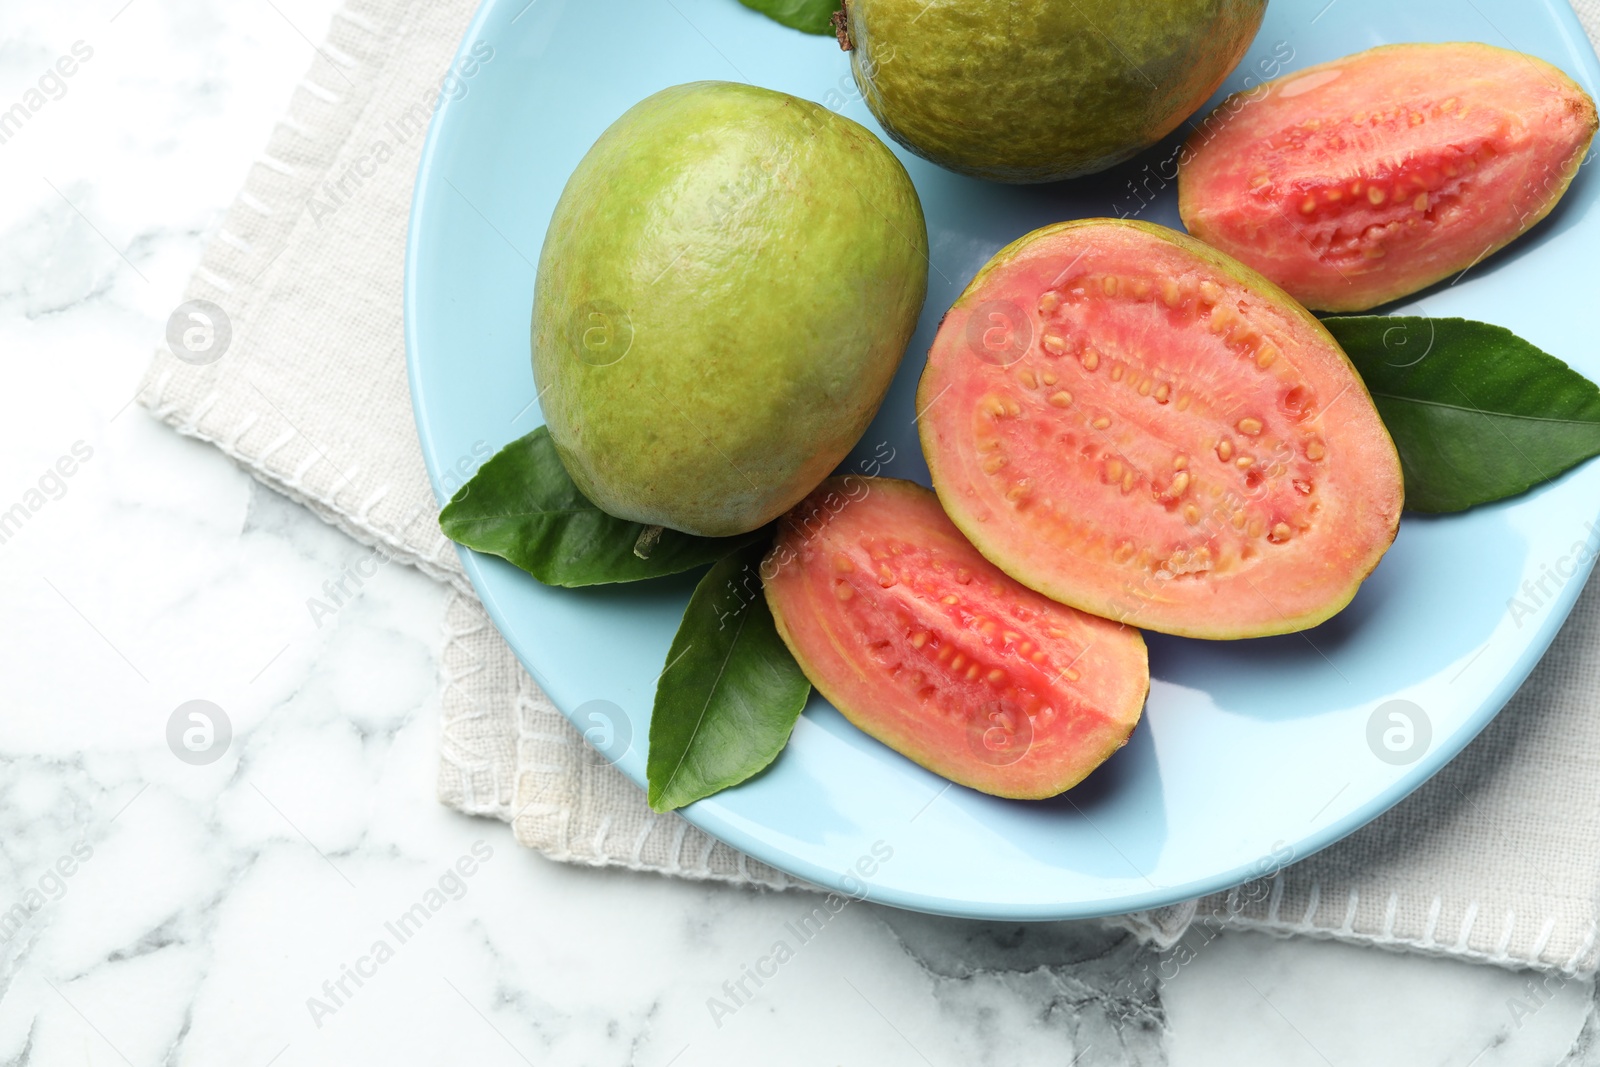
[253,910]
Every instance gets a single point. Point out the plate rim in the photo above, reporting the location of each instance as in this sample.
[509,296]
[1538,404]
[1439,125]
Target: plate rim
[722,826]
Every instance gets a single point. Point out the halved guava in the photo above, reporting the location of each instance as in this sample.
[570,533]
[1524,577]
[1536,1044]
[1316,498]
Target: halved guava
[1134,424]
[931,649]
[1358,181]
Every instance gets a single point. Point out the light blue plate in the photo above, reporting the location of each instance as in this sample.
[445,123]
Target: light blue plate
[1249,752]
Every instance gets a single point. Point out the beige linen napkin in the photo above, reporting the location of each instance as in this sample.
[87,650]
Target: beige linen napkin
[302,381]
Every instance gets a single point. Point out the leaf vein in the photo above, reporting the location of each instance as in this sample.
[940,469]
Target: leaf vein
[1399,398]
[711,693]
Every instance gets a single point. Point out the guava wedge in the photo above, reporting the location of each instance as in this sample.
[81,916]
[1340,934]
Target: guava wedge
[1134,424]
[727,285]
[1356,182]
[925,645]
[1043,90]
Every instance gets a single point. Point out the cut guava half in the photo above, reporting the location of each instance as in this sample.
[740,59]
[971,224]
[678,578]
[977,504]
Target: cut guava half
[1132,423]
[1359,181]
[930,648]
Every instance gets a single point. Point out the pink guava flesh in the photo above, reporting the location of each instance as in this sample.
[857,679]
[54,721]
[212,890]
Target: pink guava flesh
[1356,182]
[1132,423]
[925,645]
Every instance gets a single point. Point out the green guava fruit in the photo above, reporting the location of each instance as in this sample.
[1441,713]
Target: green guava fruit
[1132,423]
[928,647]
[1042,90]
[1356,182]
[727,285]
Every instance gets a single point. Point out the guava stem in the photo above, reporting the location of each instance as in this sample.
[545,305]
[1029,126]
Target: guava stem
[841,27]
[646,543]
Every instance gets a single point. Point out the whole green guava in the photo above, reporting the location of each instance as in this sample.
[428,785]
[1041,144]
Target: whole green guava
[1040,90]
[727,285]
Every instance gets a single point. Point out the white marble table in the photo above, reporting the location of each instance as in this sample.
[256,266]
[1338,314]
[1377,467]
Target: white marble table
[153,911]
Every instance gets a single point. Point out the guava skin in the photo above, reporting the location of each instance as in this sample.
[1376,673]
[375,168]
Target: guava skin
[728,283]
[1040,91]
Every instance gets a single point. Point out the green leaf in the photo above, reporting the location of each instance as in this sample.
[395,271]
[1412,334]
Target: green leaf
[809,16]
[1477,413]
[523,507]
[730,693]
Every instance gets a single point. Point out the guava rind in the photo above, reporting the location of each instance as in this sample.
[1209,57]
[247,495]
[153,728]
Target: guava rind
[727,285]
[925,645]
[1044,90]
[1460,148]
[1227,410]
